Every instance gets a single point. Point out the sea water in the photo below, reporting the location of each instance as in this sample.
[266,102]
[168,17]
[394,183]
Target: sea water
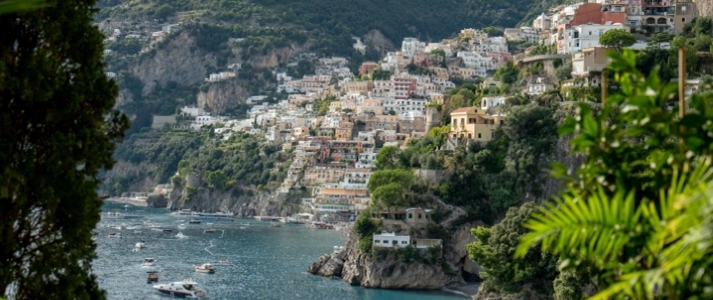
[269,262]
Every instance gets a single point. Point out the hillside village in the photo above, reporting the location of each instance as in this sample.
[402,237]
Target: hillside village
[334,122]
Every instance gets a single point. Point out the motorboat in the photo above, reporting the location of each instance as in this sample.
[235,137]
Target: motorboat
[194,221]
[148,262]
[245,224]
[140,245]
[243,227]
[223,262]
[180,235]
[127,206]
[167,230]
[186,288]
[114,215]
[217,216]
[151,276]
[209,230]
[275,224]
[204,268]
[114,235]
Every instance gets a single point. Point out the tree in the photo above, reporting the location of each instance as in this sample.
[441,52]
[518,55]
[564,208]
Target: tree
[494,251]
[387,158]
[58,129]
[13,6]
[507,73]
[617,38]
[634,213]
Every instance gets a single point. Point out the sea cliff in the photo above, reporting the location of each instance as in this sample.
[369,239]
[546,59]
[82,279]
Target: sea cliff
[388,268]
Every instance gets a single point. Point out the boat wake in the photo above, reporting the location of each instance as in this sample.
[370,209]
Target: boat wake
[211,246]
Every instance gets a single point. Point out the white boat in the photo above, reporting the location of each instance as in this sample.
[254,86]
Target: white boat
[140,245]
[151,276]
[114,215]
[204,268]
[186,288]
[182,226]
[209,230]
[245,224]
[180,235]
[194,221]
[148,262]
[243,227]
[114,235]
[223,262]
[127,206]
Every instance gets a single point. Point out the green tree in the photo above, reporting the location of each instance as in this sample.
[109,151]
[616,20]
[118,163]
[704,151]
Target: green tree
[493,32]
[494,251]
[507,73]
[617,38]
[634,213]
[13,6]
[58,130]
[387,158]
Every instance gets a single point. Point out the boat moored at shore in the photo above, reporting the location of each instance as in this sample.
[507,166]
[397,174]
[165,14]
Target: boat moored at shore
[186,288]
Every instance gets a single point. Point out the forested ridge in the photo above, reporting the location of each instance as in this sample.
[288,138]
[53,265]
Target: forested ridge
[333,23]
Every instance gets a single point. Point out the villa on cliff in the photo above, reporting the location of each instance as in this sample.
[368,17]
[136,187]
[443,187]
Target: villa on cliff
[474,123]
[391,239]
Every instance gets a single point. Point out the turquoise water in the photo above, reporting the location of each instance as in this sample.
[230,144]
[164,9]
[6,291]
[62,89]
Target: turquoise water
[270,262]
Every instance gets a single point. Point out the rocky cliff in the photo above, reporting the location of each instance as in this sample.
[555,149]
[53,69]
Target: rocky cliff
[178,59]
[243,201]
[388,271]
[222,96]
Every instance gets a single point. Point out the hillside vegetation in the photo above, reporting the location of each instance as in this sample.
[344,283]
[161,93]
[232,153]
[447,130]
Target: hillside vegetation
[333,22]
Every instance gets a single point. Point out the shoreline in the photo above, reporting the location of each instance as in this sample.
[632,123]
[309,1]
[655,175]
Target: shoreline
[467,291]
[132,201]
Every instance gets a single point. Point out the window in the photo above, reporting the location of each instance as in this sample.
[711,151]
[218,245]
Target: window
[404,243]
[419,216]
[410,215]
[386,241]
[683,19]
[376,241]
[478,135]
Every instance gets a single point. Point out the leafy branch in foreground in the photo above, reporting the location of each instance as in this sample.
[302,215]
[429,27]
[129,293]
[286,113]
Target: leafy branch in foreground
[636,215]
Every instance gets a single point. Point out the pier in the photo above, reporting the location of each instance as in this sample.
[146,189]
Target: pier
[139,201]
[267,218]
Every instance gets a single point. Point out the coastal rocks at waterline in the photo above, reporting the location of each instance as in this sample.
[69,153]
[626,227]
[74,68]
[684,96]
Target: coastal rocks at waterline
[357,268]
[329,265]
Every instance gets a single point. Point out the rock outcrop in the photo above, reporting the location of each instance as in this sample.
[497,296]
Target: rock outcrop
[179,59]
[243,201]
[357,268]
[222,96]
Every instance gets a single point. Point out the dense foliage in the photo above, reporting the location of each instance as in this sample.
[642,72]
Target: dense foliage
[243,160]
[494,251]
[636,215]
[333,23]
[58,129]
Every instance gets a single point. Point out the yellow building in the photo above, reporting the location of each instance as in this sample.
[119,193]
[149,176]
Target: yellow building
[474,123]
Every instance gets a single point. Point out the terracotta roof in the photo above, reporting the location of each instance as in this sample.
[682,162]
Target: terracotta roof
[463,109]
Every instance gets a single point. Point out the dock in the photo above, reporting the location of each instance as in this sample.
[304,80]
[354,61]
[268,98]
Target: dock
[133,201]
[267,218]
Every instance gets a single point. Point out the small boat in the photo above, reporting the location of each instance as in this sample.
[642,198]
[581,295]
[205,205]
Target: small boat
[114,235]
[209,230]
[243,227]
[167,230]
[180,235]
[204,268]
[151,276]
[274,224]
[186,288]
[148,262]
[182,226]
[194,221]
[223,262]
[245,224]
[140,245]
[127,206]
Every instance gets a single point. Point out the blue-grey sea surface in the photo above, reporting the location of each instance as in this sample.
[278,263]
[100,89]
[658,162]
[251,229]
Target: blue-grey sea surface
[270,262]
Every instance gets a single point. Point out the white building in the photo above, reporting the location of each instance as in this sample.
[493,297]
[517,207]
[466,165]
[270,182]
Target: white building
[390,239]
[404,106]
[586,36]
[488,102]
[366,160]
[433,46]
[356,179]
[411,46]
[477,62]
[192,111]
